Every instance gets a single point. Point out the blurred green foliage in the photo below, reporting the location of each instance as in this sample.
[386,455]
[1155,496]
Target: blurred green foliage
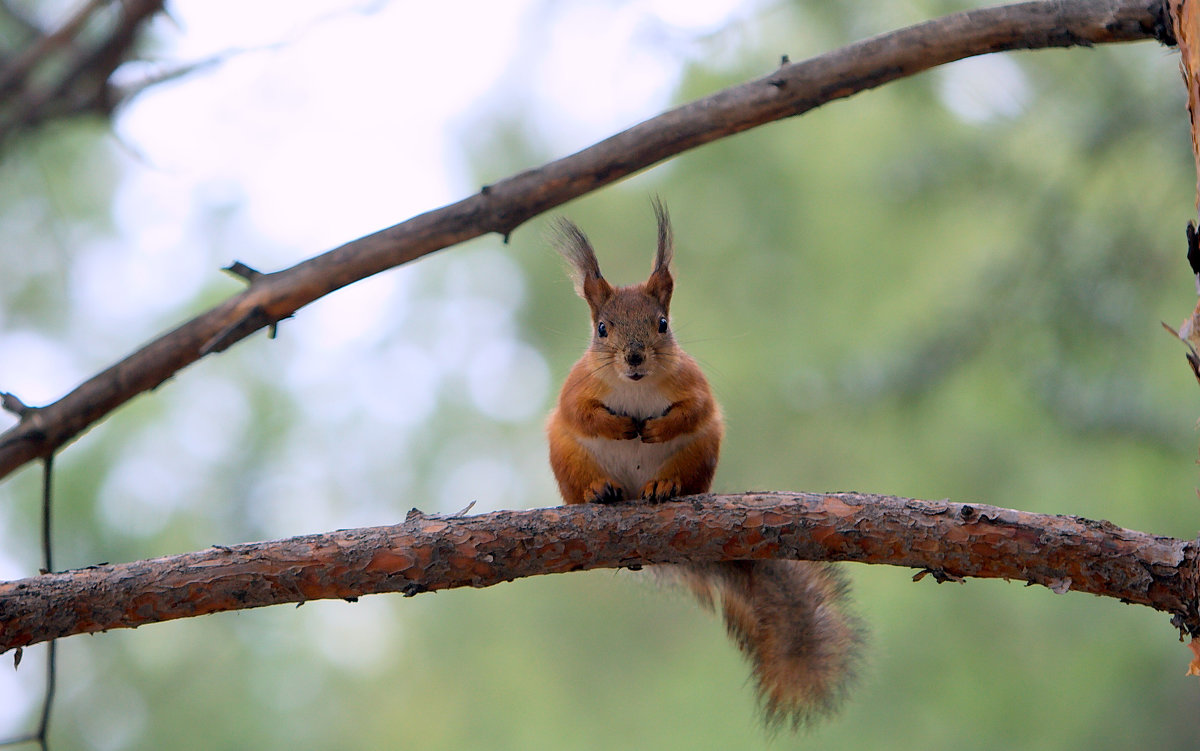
[887,297]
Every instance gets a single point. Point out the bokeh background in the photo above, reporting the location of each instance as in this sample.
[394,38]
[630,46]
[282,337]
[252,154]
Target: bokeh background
[950,287]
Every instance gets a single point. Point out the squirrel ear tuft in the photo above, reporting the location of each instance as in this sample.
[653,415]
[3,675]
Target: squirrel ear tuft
[583,267]
[666,238]
[661,284]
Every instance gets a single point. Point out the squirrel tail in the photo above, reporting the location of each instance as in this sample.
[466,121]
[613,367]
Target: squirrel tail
[791,622]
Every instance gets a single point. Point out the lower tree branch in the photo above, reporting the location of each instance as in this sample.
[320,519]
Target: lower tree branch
[793,89]
[428,553]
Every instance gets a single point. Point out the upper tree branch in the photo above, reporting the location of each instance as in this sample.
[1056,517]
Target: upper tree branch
[791,90]
[67,71]
[427,553]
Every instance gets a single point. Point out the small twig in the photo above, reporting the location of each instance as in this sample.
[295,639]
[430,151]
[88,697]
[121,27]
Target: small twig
[230,334]
[47,501]
[20,66]
[40,736]
[48,563]
[80,73]
[123,94]
[242,271]
[10,403]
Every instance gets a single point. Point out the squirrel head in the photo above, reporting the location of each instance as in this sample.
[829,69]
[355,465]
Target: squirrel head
[631,334]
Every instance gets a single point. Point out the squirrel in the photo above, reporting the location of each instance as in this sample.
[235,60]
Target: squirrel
[636,419]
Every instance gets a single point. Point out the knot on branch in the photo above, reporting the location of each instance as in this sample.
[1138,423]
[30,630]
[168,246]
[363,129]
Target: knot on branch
[11,403]
[1188,621]
[252,320]
[1164,28]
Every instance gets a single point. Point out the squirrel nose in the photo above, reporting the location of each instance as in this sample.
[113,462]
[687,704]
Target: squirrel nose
[634,359]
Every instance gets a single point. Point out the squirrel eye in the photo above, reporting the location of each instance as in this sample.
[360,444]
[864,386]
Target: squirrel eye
[662,324]
[601,330]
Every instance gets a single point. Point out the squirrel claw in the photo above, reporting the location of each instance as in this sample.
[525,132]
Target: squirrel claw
[657,491]
[604,492]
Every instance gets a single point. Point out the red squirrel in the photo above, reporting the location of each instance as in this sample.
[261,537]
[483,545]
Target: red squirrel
[636,419]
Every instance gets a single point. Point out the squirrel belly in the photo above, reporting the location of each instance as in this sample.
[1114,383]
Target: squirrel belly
[631,465]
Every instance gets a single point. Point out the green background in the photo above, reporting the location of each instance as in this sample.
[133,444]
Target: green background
[886,297]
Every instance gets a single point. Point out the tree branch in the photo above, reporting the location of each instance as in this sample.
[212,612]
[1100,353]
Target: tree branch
[791,90]
[428,553]
[59,73]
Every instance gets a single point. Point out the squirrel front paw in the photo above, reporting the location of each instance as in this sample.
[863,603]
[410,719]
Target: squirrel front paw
[620,427]
[652,432]
[633,429]
[661,490]
[603,491]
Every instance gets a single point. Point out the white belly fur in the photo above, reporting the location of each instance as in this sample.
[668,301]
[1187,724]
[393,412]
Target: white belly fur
[631,463]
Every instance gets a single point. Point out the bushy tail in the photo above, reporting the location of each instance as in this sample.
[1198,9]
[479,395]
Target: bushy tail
[790,620]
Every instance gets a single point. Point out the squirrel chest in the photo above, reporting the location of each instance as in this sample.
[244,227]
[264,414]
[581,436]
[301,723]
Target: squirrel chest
[631,464]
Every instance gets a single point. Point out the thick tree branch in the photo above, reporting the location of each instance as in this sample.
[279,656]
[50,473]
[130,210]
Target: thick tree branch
[791,90]
[426,553]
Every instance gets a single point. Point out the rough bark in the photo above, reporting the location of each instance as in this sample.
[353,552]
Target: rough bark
[427,553]
[791,90]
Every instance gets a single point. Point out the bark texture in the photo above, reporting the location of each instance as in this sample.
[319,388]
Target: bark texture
[428,553]
[791,90]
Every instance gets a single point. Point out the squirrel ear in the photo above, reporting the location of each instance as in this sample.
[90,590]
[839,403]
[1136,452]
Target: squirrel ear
[583,266]
[661,284]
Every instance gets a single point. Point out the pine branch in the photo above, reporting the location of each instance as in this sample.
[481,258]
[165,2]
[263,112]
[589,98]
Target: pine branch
[791,90]
[427,553]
